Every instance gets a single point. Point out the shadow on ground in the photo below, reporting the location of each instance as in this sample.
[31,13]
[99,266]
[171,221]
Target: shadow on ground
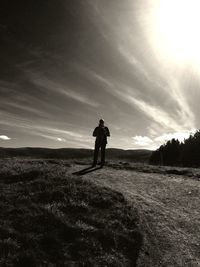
[87,170]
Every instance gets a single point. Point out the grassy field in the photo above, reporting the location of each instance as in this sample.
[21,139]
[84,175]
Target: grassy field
[60,213]
[50,217]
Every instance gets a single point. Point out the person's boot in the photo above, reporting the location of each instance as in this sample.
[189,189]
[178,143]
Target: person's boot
[102,164]
[94,164]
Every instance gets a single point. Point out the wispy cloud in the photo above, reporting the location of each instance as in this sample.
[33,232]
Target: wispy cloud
[55,134]
[24,108]
[59,139]
[179,115]
[4,137]
[185,114]
[132,60]
[78,97]
[62,89]
[155,113]
[178,119]
[142,140]
[40,128]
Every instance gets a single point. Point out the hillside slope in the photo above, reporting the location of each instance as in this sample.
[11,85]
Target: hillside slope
[168,206]
[131,213]
[50,218]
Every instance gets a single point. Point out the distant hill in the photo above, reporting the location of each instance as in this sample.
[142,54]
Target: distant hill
[139,155]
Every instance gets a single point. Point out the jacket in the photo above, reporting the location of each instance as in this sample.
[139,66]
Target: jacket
[101,134]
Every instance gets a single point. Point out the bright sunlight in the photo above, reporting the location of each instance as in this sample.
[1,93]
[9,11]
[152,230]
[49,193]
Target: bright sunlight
[176,29]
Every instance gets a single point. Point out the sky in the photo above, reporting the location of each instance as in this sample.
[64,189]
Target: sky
[66,64]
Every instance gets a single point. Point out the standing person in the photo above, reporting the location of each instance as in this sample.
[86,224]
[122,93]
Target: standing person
[100,132]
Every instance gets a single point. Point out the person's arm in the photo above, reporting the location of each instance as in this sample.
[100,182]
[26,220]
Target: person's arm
[95,132]
[107,132]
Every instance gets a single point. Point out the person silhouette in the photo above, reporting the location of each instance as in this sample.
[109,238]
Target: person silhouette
[100,132]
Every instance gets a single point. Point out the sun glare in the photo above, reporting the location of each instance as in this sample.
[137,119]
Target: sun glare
[176,29]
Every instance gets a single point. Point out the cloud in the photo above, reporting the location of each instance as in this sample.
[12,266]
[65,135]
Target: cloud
[153,112]
[62,89]
[177,117]
[185,114]
[157,141]
[178,135]
[55,130]
[132,60]
[4,137]
[74,138]
[18,122]
[142,140]
[78,97]
[156,113]
[59,139]
[22,107]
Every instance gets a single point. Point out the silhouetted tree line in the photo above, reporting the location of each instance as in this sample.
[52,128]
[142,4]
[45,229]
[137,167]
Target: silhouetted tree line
[175,153]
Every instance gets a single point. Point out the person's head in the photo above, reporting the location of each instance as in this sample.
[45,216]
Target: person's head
[101,122]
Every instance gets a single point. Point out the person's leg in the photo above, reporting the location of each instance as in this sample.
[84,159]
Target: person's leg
[96,152]
[103,148]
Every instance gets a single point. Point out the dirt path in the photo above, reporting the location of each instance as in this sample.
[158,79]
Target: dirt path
[169,208]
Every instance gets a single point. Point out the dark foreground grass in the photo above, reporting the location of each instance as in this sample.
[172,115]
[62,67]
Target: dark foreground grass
[51,219]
